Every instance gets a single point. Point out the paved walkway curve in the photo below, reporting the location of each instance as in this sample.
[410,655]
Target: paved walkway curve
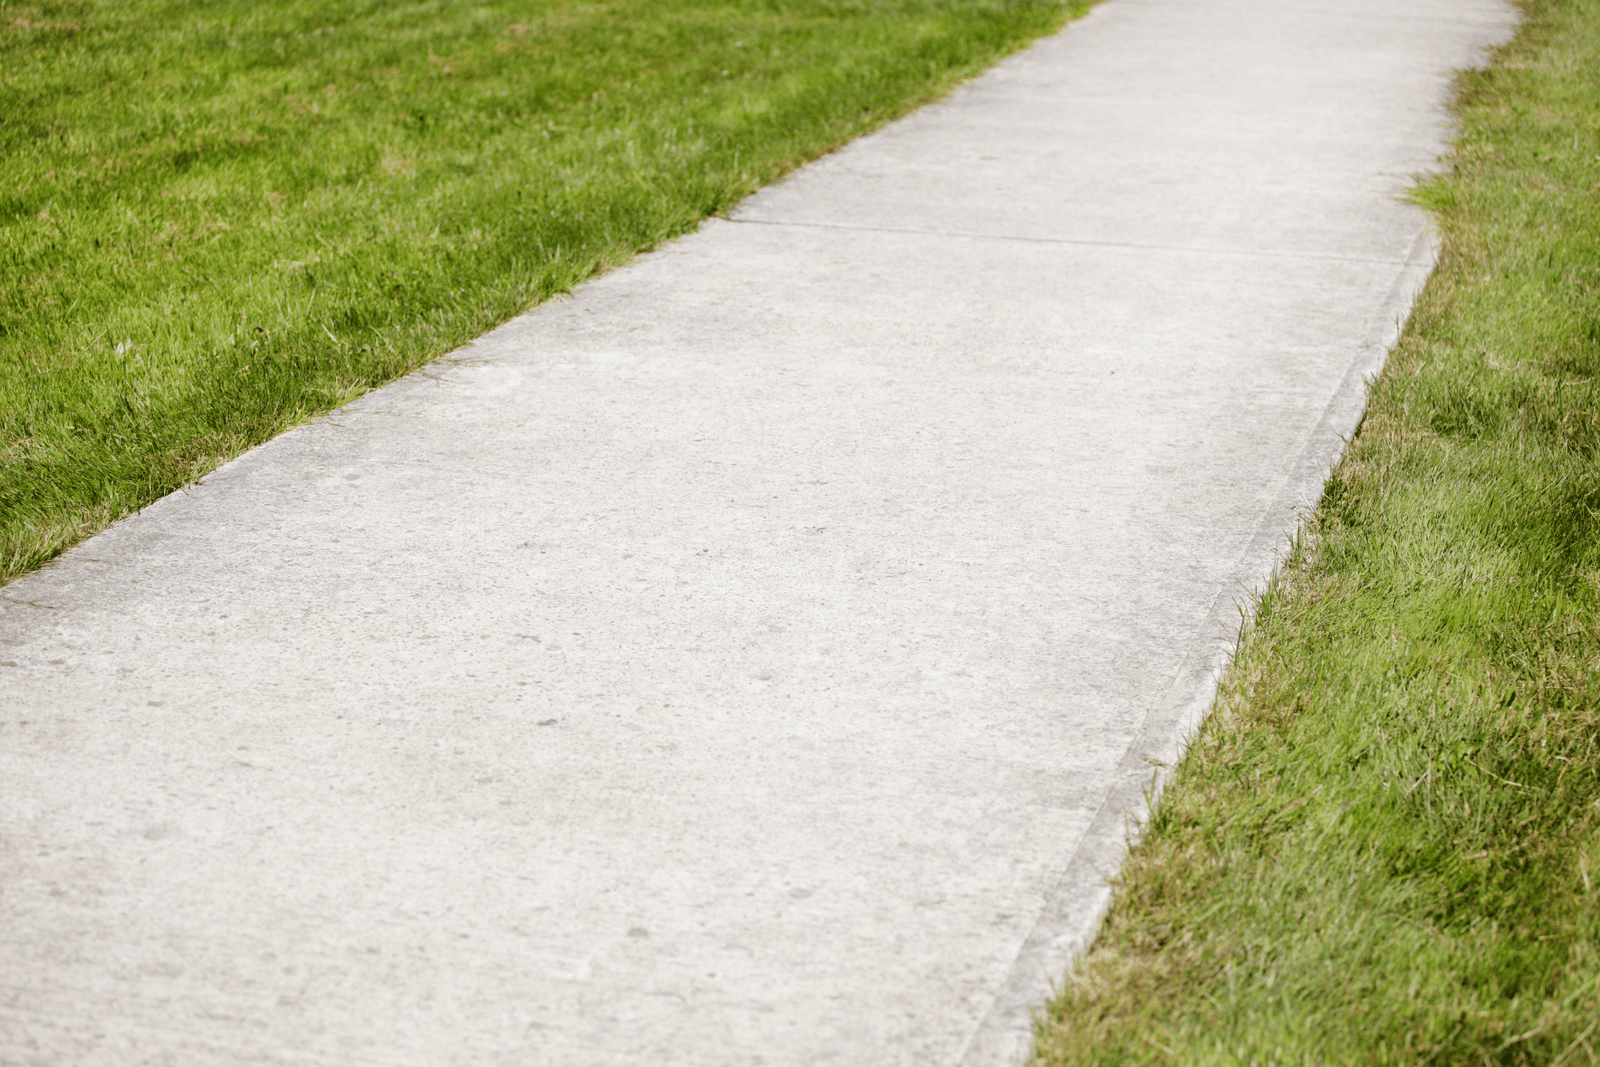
[754,658]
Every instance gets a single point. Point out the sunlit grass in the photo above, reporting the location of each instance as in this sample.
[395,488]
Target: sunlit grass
[220,218]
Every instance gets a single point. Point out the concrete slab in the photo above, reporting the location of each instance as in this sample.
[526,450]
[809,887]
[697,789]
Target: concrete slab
[754,658]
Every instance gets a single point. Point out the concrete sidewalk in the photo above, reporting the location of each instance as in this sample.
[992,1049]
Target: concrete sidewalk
[754,658]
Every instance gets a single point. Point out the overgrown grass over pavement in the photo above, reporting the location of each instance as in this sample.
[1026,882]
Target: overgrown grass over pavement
[220,217]
[1384,848]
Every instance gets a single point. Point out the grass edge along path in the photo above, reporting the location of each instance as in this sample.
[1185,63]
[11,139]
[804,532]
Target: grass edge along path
[219,219]
[1384,845]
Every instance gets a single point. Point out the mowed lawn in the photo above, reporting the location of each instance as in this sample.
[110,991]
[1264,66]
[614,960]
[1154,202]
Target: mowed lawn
[1384,848]
[220,218]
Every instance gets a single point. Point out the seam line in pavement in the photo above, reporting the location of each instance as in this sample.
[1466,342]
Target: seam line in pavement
[1397,261]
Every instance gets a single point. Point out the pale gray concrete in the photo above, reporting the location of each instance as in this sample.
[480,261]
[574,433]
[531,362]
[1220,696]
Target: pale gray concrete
[755,658]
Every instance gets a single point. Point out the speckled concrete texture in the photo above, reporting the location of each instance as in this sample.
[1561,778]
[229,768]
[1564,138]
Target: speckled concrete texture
[756,657]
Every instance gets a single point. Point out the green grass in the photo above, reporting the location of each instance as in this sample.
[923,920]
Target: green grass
[1384,847]
[220,218]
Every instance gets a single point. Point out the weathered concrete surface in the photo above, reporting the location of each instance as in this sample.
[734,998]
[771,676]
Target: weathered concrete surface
[752,659]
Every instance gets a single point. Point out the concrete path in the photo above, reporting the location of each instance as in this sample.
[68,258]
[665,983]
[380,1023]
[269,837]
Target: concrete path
[752,659]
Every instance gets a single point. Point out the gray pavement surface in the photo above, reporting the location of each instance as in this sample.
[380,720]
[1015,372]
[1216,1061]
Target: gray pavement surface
[757,657]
